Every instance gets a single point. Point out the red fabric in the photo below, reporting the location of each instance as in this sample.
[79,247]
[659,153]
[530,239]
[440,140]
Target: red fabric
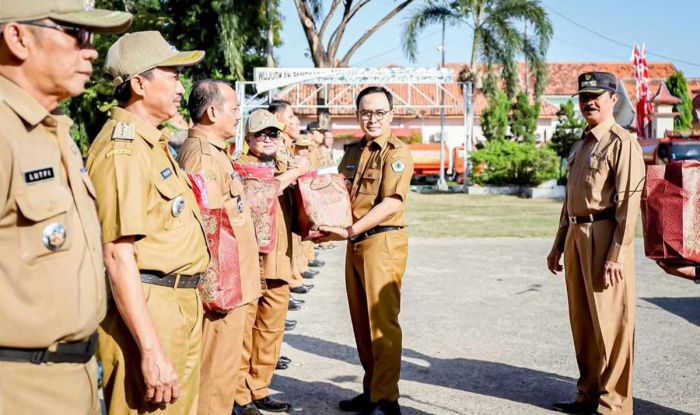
[323,200]
[671,212]
[221,286]
[261,189]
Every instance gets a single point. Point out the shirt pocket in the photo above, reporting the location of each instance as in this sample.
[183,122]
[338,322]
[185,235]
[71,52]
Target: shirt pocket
[43,221]
[369,182]
[596,168]
[172,206]
[236,204]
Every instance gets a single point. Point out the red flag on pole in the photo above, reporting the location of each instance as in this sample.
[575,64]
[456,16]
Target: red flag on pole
[645,107]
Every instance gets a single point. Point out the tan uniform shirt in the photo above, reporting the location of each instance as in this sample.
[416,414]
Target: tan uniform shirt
[325,157]
[277,265]
[377,169]
[205,154]
[606,170]
[142,192]
[52,281]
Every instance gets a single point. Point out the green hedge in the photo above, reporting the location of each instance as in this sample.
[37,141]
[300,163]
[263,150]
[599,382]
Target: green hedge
[506,162]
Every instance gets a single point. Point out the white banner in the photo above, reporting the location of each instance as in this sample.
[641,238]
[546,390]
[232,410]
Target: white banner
[270,78]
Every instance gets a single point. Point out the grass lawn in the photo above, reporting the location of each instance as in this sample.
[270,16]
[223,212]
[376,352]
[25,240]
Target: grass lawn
[461,215]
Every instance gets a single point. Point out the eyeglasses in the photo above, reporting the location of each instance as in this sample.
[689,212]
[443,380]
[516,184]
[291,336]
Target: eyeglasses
[273,135]
[81,34]
[378,115]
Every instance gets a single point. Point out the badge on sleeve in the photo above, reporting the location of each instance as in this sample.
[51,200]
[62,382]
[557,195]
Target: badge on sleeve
[54,236]
[398,166]
[178,206]
[123,131]
[240,206]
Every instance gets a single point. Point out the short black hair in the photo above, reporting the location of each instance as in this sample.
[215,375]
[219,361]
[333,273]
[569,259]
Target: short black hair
[278,105]
[375,90]
[205,93]
[123,91]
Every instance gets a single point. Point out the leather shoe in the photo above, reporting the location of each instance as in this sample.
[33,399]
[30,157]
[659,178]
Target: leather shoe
[316,263]
[302,289]
[272,405]
[298,301]
[576,407]
[309,286]
[383,408]
[281,365]
[308,274]
[248,409]
[293,306]
[285,359]
[290,325]
[359,403]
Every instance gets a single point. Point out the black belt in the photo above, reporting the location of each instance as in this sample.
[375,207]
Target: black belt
[186,281]
[74,352]
[593,217]
[377,229]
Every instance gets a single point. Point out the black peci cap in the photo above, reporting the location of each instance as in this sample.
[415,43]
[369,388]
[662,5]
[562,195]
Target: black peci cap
[596,83]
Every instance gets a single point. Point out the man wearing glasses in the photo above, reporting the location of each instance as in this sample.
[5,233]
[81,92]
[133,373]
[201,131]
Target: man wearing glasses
[262,349]
[154,246]
[379,169]
[52,287]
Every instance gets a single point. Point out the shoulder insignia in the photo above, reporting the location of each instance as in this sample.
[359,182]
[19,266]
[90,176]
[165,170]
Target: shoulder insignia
[123,131]
[122,151]
[398,166]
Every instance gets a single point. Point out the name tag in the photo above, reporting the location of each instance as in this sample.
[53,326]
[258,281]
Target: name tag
[351,166]
[166,173]
[34,176]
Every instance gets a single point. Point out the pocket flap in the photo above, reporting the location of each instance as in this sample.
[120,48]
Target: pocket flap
[40,204]
[167,190]
[370,174]
[235,188]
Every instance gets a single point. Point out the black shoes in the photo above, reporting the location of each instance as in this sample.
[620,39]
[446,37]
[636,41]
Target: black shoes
[285,359]
[302,289]
[281,365]
[576,407]
[383,408]
[308,274]
[249,409]
[316,263]
[359,403]
[272,405]
[289,325]
[293,306]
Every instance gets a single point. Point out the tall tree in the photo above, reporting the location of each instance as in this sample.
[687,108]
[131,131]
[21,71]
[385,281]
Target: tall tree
[497,38]
[678,86]
[524,118]
[495,117]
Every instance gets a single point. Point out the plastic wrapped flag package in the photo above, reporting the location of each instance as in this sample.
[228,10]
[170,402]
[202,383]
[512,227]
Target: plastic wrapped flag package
[220,288]
[671,212]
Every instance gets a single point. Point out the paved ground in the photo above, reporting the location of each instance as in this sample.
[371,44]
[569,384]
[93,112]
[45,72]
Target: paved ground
[486,331]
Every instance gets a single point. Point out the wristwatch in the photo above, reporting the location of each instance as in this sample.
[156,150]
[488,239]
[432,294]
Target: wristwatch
[351,234]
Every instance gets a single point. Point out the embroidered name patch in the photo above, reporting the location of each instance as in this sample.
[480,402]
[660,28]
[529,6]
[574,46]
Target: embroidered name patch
[39,175]
[166,173]
[351,166]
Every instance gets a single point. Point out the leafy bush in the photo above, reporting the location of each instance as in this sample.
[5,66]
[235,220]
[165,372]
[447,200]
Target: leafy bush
[506,162]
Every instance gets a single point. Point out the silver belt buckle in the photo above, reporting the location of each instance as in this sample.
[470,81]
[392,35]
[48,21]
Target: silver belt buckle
[572,219]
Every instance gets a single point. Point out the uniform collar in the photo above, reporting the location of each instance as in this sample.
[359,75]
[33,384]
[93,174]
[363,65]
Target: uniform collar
[599,130]
[380,141]
[216,142]
[149,133]
[22,103]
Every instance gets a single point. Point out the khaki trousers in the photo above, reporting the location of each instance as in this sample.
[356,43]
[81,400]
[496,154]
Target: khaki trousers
[373,273]
[602,318]
[263,342]
[52,388]
[299,262]
[177,316]
[222,345]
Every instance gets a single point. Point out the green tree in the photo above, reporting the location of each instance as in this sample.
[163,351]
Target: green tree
[496,36]
[495,118]
[678,86]
[568,130]
[234,38]
[524,118]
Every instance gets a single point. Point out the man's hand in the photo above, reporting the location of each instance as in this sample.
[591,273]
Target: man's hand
[553,263]
[612,273]
[685,271]
[334,233]
[162,384]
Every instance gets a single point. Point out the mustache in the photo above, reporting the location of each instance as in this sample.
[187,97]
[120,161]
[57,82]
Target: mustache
[590,107]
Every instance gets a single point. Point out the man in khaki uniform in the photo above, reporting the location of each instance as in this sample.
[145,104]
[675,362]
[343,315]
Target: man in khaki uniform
[213,106]
[379,168]
[261,348]
[154,246]
[52,286]
[596,235]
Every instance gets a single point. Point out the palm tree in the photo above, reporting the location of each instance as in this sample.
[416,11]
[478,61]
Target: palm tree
[496,37]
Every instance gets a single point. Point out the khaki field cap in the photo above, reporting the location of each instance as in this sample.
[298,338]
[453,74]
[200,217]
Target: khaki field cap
[260,120]
[76,12]
[138,52]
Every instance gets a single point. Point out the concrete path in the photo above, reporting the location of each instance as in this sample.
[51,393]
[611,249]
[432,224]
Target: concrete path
[486,331]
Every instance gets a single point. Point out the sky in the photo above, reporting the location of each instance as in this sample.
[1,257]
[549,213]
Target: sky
[584,30]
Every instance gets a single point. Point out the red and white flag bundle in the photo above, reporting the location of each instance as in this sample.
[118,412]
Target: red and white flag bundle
[645,106]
